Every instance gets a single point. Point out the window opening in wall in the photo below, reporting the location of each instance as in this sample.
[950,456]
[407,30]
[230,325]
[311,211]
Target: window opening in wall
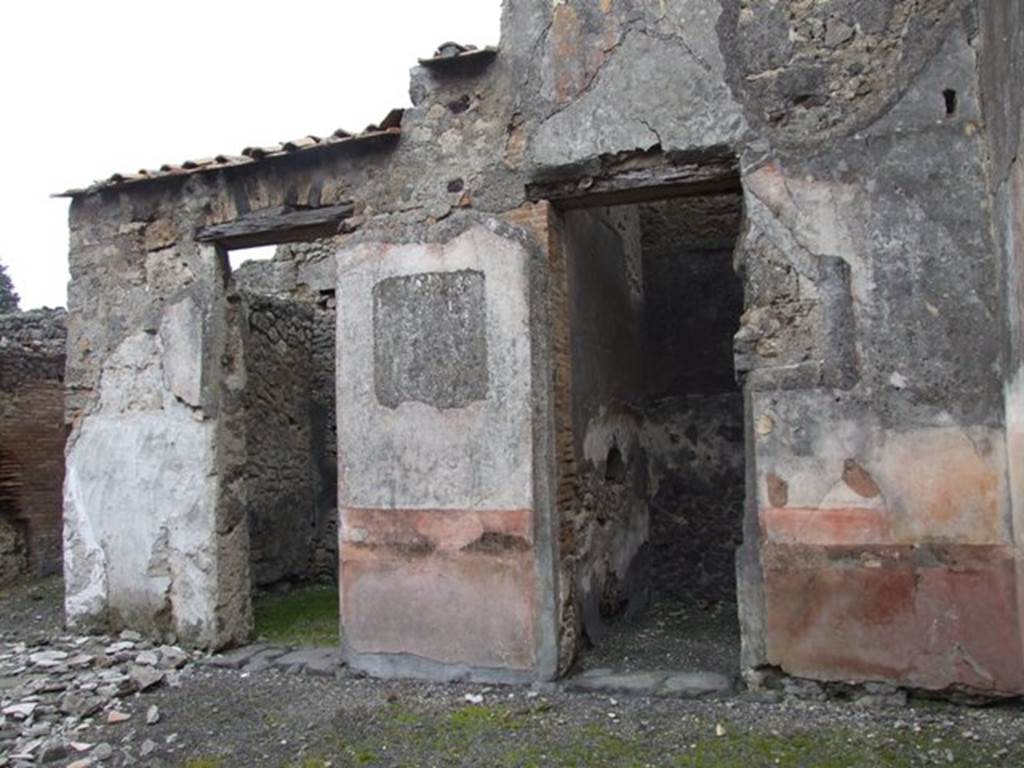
[658,424]
[239,256]
[286,333]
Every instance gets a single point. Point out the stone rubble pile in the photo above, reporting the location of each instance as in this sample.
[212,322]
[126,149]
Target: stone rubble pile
[55,692]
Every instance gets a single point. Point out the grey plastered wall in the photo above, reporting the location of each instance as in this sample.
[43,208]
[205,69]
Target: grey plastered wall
[1001,69]
[443,522]
[864,200]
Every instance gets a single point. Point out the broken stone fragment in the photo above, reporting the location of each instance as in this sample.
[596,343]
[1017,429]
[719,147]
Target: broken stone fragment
[172,657]
[146,677]
[79,705]
[48,658]
[20,711]
[114,717]
[103,751]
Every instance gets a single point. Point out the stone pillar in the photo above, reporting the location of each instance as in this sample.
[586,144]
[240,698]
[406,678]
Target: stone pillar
[445,553]
[149,540]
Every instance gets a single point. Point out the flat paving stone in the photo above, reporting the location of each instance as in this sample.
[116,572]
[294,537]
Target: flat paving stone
[692,685]
[638,683]
[265,659]
[235,659]
[662,683]
[313,661]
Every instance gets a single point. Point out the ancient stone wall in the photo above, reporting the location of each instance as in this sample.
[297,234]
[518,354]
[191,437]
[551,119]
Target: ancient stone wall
[292,376]
[693,408]
[875,387]
[279,470]
[1001,65]
[32,435]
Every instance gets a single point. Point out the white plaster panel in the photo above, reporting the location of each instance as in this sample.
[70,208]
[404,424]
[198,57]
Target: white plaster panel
[417,456]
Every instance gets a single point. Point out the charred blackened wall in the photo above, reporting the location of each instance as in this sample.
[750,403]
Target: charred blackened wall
[609,517]
[693,413]
[32,435]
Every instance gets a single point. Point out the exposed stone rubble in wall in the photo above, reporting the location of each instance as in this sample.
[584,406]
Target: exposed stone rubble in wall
[32,347]
[279,468]
[695,449]
[32,443]
[295,279]
[809,71]
[692,429]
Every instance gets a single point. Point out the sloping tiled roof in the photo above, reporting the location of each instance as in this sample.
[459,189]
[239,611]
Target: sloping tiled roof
[388,128]
[451,53]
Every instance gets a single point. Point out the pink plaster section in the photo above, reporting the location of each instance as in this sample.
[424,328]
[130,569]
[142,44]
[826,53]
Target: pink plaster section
[931,617]
[810,525]
[944,486]
[453,586]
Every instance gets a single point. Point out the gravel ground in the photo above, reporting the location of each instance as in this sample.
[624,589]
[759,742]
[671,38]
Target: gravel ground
[672,634]
[215,718]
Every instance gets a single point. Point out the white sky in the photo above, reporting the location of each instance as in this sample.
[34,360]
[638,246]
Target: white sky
[90,88]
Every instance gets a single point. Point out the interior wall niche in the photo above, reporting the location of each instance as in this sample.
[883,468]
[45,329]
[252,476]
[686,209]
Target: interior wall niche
[657,413]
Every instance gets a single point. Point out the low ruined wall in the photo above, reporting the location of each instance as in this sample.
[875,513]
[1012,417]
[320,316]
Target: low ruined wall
[32,435]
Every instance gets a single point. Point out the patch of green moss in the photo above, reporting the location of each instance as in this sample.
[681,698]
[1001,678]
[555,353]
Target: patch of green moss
[309,762]
[204,762]
[506,737]
[831,749]
[305,617]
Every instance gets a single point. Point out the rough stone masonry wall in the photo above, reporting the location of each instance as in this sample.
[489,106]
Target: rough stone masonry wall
[295,281]
[693,408]
[156,536]
[32,435]
[279,467]
[608,518]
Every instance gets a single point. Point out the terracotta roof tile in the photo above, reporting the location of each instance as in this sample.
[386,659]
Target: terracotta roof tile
[388,128]
[454,53]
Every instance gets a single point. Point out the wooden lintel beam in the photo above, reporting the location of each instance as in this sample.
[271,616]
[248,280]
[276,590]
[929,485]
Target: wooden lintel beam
[273,226]
[638,184]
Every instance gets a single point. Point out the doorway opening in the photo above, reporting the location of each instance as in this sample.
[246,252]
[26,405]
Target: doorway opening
[284,329]
[658,425]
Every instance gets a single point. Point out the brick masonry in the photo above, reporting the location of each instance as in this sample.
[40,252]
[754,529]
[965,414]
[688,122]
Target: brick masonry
[32,435]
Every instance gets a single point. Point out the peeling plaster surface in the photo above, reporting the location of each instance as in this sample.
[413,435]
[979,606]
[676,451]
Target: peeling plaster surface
[416,455]
[139,497]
